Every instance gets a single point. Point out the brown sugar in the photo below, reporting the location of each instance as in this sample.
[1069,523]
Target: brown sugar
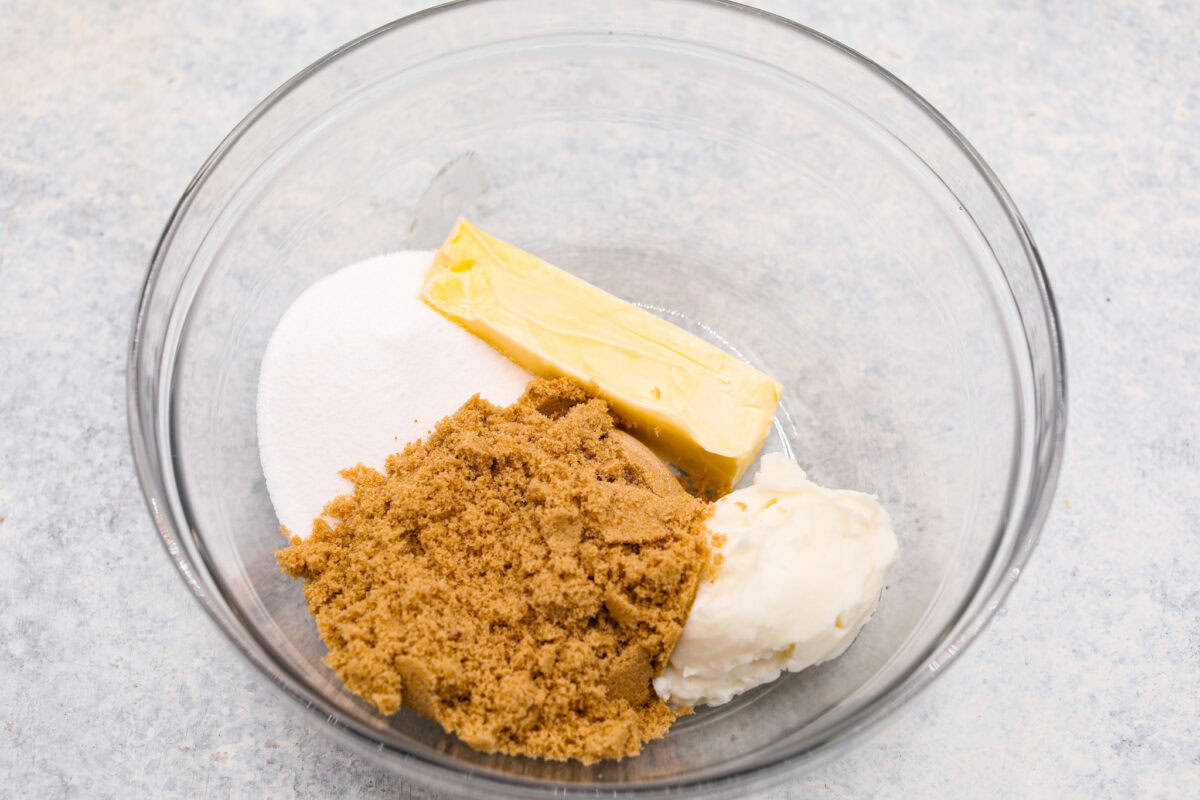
[519,576]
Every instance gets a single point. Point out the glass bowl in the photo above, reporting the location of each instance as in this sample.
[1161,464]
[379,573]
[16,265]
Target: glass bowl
[750,179]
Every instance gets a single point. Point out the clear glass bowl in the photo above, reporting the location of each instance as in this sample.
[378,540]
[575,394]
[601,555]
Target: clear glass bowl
[756,182]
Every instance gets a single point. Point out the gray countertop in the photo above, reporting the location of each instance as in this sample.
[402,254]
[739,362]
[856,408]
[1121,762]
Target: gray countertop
[1087,683]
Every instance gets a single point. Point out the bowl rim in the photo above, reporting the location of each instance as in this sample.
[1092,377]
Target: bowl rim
[1050,440]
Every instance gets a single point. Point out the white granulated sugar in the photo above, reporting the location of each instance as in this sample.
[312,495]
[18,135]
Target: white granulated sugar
[358,367]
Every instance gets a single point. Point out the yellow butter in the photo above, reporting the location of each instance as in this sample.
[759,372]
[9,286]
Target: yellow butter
[694,404]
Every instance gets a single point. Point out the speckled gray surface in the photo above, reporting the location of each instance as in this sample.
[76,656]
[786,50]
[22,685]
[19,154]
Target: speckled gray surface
[1085,685]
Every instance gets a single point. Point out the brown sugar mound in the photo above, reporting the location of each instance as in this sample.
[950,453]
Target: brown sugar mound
[519,576]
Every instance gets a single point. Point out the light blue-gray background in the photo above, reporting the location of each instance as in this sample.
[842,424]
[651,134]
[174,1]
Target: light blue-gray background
[114,684]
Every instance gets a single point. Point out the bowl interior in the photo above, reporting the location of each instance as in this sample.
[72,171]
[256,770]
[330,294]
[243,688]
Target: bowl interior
[753,205]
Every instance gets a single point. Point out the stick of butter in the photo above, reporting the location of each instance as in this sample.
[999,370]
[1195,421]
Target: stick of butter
[693,404]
